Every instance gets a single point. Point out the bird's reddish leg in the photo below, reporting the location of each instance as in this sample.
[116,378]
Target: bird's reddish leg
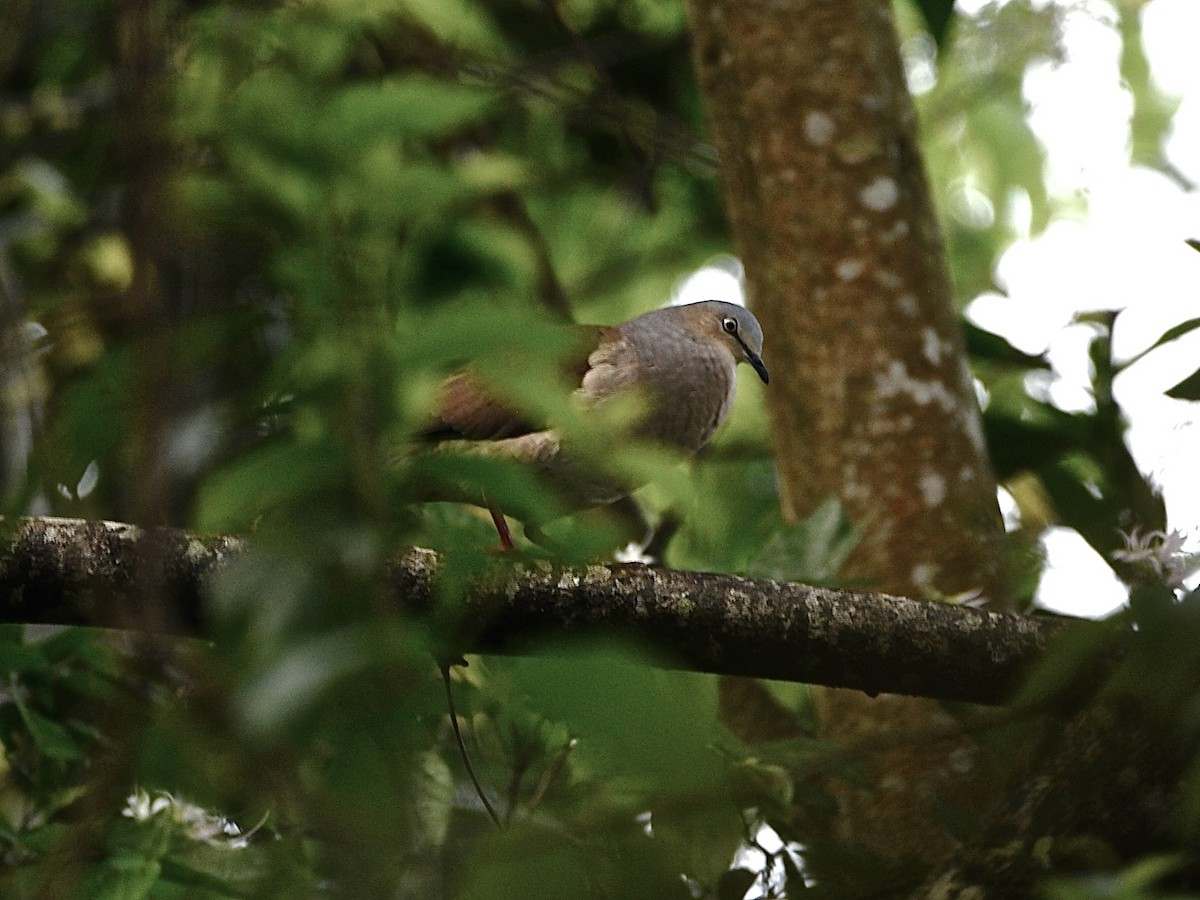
[506,541]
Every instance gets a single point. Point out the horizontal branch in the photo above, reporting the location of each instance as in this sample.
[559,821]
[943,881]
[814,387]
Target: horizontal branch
[81,572]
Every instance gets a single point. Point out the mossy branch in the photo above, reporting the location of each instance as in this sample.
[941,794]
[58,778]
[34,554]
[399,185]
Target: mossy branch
[72,571]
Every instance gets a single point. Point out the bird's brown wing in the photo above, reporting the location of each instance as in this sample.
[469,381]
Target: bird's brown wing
[468,410]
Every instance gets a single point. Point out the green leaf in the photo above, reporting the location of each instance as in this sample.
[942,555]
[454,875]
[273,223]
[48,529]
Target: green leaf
[1024,433]
[17,656]
[524,861]
[432,801]
[296,680]
[987,346]
[937,15]
[1094,498]
[650,728]
[282,186]
[1177,331]
[812,551]
[1188,389]
[414,105]
[51,739]
[1074,663]
[96,410]
[734,884]
[264,480]
[698,836]
[1150,871]
[461,24]
[731,510]
[183,873]
[128,876]
[763,785]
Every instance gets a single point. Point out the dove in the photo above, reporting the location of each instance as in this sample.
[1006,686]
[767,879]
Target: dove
[681,360]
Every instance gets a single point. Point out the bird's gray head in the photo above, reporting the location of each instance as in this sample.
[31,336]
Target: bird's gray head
[735,327]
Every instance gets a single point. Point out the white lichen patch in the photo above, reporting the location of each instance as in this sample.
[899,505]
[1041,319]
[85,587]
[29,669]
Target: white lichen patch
[882,427]
[933,489]
[598,574]
[974,425]
[195,551]
[873,102]
[931,346]
[849,269]
[819,128]
[893,234]
[908,304]
[896,381]
[923,574]
[881,194]
[961,760]
[886,278]
[854,490]
[737,599]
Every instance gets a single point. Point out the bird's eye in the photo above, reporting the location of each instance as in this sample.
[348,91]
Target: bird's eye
[729,324]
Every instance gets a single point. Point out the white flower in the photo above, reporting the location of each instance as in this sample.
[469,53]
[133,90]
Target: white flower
[194,822]
[1162,551]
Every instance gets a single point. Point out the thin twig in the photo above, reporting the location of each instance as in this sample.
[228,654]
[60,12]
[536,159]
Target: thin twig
[462,749]
[548,778]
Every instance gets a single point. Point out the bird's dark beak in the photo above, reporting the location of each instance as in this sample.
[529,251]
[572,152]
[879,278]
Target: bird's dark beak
[755,360]
[756,363]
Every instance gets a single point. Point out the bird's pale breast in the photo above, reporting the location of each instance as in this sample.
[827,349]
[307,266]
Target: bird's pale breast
[691,385]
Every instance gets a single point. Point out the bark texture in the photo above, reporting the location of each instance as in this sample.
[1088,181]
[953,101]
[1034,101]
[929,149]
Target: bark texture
[69,571]
[831,215]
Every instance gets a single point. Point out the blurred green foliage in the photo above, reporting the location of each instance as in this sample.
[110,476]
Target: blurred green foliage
[240,326]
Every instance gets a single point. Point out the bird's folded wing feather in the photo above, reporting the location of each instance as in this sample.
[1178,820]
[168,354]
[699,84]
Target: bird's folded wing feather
[467,409]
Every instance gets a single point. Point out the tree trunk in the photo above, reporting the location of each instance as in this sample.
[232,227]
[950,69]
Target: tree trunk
[873,402]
